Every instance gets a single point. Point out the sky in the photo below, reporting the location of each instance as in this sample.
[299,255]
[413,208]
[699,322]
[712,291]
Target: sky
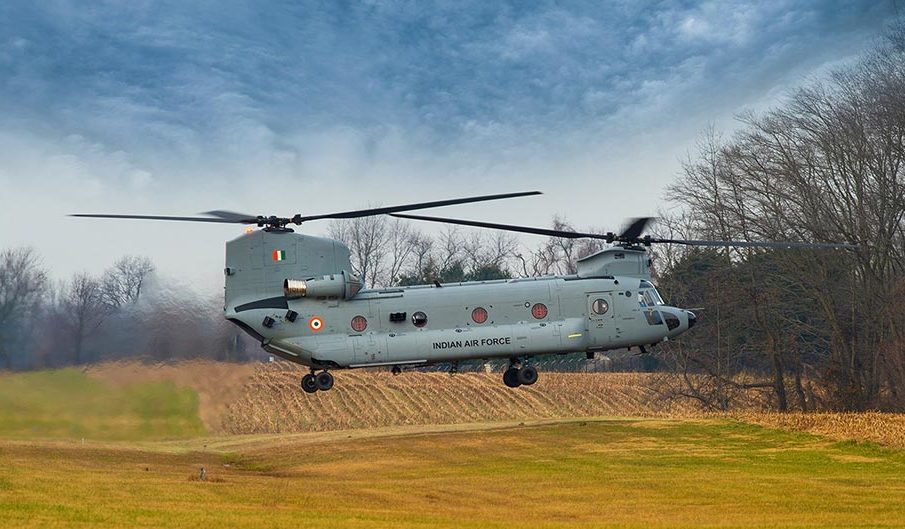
[270,107]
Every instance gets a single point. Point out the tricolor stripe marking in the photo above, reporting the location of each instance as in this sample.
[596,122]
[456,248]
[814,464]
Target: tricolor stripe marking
[279,255]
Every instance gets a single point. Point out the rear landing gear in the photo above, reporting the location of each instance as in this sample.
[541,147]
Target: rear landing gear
[517,376]
[311,383]
[527,375]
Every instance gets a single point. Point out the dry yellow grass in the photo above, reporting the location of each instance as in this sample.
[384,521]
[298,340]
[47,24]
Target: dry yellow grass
[887,429]
[266,398]
[273,402]
[218,384]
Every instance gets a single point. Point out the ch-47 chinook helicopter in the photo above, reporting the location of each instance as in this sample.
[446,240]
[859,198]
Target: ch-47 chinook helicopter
[297,295]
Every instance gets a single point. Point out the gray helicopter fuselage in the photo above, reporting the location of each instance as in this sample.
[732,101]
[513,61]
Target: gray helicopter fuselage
[329,322]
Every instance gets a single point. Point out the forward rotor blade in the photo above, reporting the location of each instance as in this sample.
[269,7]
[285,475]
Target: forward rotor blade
[510,227]
[757,244]
[153,217]
[636,228]
[298,219]
[609,237]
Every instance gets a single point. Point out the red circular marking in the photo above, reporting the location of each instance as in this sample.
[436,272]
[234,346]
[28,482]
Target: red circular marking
[539,311]
[359,323]
[316,323]
[479,315]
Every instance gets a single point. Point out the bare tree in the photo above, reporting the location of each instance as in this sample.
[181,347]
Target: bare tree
[367,239]
[488,254]
[83,310]
[22,282]
[404,244]
[122,283]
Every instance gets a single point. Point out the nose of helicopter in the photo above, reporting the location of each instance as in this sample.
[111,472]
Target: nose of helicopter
[692,319]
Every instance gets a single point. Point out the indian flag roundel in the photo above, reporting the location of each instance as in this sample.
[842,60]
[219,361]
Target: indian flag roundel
[316,323]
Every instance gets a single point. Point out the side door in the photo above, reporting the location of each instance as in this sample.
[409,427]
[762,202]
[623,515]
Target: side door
[370,348]
[601,310]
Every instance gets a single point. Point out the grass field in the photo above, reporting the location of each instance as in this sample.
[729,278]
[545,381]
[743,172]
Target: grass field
[68,403]
[123,445]
[592,473]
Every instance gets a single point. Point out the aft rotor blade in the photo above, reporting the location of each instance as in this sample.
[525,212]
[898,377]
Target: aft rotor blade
[158,217]
[511,227]
[241,218]
[758,244]
[298,219]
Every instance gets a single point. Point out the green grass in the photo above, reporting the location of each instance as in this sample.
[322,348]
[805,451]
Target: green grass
[67,403]
[606,473]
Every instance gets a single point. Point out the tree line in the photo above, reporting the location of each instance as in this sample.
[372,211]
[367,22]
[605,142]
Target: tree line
[809,328]
[125,312]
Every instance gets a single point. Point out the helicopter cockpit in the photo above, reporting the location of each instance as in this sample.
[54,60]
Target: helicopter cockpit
[649,299]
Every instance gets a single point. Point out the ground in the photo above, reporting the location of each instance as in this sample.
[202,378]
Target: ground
[136,464]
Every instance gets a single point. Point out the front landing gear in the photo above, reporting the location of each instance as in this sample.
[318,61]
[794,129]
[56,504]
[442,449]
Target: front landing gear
[324,381]
[311,383]
[517,376]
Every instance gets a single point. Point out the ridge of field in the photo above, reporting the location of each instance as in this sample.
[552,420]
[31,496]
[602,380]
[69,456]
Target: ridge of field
[66,403]
[272,401]
[626,473]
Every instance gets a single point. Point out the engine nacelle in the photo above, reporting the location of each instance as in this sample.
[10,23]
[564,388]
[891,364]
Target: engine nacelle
[617,261]
[342,285]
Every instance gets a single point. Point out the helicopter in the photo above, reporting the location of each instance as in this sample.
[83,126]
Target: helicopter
[297,295]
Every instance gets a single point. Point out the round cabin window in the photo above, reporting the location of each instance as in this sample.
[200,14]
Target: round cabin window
[359,323]
[539,311]
[479,315]
[419,319]
[600,306]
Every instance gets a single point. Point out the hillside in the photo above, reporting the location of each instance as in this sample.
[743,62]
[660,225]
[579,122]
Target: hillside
[67,403]
[131,400]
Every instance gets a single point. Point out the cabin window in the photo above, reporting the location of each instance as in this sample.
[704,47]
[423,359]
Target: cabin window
[359,323]
[600,306]
[539,311]
[419,319]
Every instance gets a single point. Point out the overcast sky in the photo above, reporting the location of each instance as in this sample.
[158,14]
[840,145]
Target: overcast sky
[179,107]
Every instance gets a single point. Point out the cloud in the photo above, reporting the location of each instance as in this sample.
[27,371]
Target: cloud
[179,107]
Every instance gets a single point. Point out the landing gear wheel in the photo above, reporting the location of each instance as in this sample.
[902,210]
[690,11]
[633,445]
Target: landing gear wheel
[324,381]
[309,385]
[527,375]
[510,377]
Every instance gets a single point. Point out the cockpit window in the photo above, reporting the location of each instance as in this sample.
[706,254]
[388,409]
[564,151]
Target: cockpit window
[655,296]
[649,298]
